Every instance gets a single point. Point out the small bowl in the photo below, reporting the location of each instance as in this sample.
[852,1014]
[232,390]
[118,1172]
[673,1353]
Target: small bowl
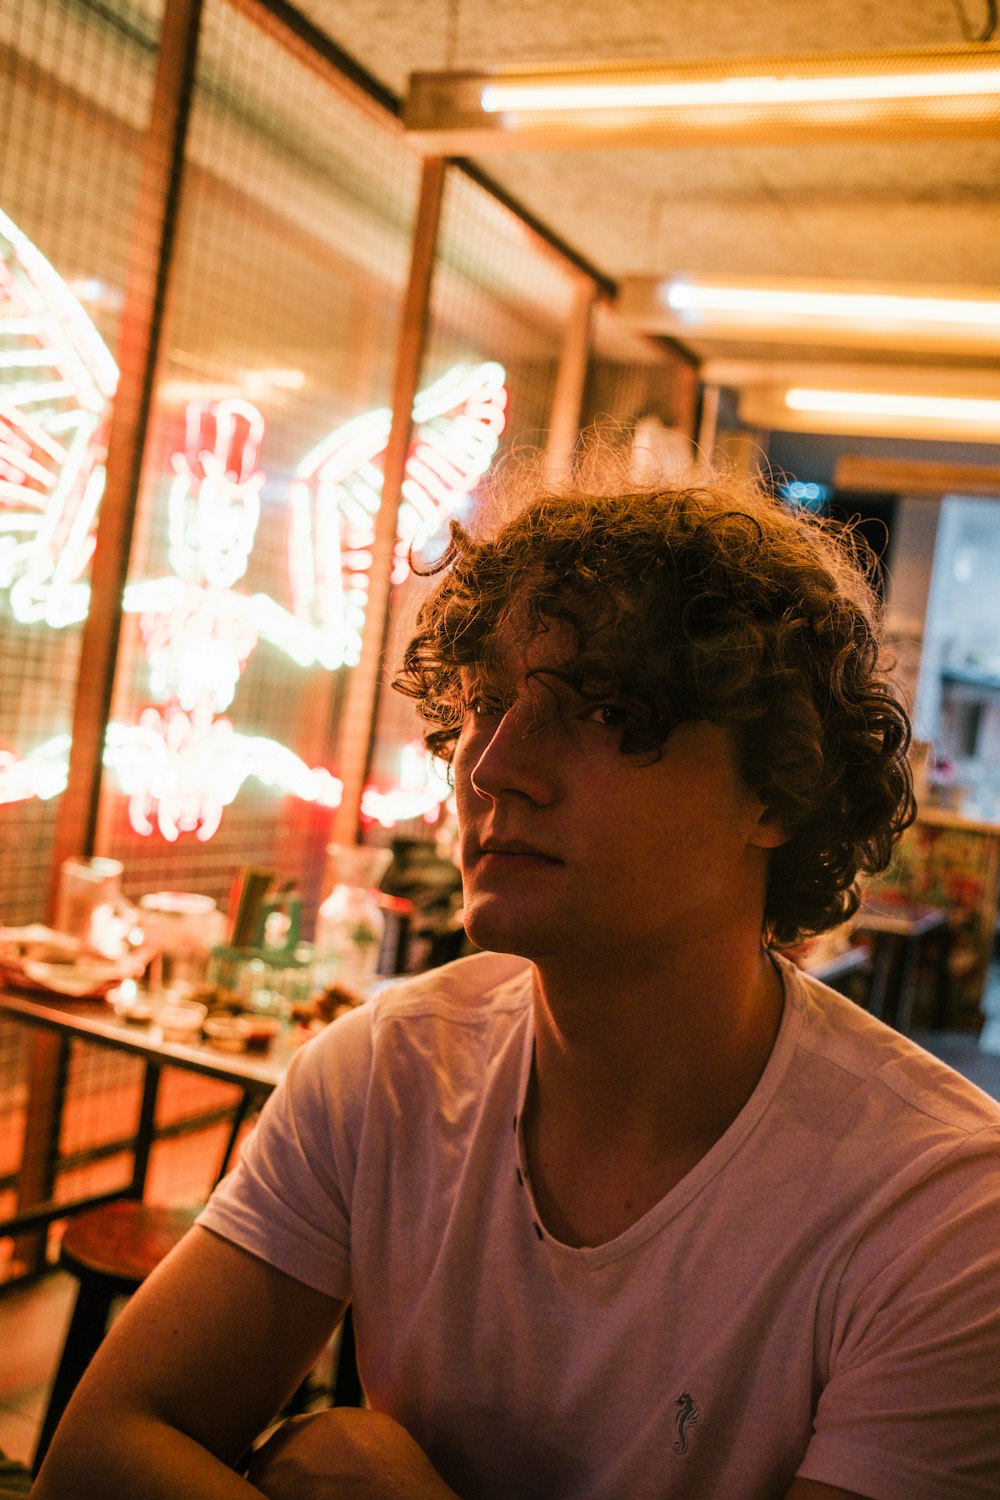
[182,1022]
[227,1033]
[136,1009]
[261,1031]
[129,1003]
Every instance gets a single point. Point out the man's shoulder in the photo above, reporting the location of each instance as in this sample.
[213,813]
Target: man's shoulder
[886,1065]
[467,990]
[453,1034]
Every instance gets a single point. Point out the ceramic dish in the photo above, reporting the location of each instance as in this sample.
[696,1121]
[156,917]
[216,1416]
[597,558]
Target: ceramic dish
[227,1033]
[261,1031]
[182,1022]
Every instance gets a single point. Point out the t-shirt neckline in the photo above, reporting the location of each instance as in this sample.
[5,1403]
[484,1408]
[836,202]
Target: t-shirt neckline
[683,1194]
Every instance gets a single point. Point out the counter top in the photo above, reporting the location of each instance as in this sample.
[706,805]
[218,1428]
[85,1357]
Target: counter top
[946,817]
[95,1020]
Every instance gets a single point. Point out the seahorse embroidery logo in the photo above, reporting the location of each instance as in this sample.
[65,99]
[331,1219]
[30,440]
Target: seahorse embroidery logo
[688,1414]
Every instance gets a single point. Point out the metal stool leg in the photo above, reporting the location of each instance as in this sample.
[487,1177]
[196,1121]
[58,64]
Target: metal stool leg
[942,984]
[880,989]
[907,983]
[86,1330]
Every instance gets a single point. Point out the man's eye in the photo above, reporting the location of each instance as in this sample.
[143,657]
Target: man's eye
[608,715]
[485,708]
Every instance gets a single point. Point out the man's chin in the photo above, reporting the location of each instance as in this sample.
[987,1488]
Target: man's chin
[497,932]
[496,939]
[494,930]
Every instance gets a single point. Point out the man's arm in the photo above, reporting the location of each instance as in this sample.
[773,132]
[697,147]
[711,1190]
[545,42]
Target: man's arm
[376,1459]
[198,1363]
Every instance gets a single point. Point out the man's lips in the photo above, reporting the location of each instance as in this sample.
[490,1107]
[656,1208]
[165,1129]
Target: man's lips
[515,849]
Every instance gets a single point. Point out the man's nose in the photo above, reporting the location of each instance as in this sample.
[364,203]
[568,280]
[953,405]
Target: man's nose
[517,758]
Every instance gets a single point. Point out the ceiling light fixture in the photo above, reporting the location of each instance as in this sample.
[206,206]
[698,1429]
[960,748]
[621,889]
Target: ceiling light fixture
[949,409]
[914,403]
[763,89]
[921,91]
[863,314]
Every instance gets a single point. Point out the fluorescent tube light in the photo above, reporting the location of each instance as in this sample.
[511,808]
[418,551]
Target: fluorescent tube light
[769,90]
[909,401]
[904,316]
[950,409]
[882,307]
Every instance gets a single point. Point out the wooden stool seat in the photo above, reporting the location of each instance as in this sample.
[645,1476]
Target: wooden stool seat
[110,1250]
[124,1240]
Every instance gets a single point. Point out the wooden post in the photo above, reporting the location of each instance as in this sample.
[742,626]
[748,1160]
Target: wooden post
[708,422]
[138,346]
[361,703]
[567,398]
[47,1073]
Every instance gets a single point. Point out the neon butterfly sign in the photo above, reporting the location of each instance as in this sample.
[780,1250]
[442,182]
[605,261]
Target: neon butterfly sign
[183,761]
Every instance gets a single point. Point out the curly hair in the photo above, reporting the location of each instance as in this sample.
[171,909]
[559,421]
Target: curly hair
[709,602]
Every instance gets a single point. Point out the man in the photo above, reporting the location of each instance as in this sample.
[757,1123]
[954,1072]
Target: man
[626,1207]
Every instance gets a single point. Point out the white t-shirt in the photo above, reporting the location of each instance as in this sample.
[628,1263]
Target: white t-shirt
[819,1296]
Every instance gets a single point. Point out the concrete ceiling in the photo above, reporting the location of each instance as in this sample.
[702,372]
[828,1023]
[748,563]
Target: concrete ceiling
[900,211]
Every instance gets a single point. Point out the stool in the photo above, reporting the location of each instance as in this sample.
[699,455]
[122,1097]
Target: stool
[110,1250]
[899,930]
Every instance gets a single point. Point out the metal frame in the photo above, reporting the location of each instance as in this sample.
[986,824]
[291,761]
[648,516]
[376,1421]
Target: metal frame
[358,722]
[146,290]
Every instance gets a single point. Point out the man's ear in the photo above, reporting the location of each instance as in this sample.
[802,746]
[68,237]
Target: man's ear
[770,831]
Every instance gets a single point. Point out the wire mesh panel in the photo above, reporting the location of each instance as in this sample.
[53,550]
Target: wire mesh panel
[193,1121]
[501,303]
[247,582]
[499,294]
[641,392]
[76,84]
[100,1118]
[240,615]
[76,88]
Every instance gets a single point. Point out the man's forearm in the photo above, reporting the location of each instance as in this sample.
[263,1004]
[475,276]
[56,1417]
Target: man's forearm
[135,1459]
[346,1454]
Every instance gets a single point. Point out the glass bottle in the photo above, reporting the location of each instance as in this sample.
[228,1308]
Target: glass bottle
[349,925]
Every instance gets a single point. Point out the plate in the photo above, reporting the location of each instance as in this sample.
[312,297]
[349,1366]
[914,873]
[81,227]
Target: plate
[50,963]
